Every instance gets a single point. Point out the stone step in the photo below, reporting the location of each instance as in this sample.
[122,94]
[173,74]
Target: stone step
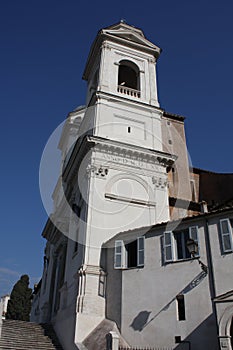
[21,335]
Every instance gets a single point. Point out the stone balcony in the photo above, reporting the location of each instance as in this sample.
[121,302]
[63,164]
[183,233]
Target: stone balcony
[128,91]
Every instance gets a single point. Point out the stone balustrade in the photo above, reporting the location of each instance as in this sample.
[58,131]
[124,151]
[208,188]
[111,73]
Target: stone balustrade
[128,91]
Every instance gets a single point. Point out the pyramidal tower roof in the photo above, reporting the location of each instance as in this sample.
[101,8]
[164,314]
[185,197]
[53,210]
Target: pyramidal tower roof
[122,33]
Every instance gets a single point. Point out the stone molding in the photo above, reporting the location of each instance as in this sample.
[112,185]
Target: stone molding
[116,152]
[98,171]
[159,182]
[132,152]
[130,200]
[225,343]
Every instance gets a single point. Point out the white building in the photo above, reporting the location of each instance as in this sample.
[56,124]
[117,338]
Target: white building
[4,301]
[166,297]
[125,166]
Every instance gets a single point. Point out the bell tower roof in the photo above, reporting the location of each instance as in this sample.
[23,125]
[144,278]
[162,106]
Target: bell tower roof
[124,34]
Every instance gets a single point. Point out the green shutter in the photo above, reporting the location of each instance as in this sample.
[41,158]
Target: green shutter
[140,251]
[226,235]
[168,246]
[118,259]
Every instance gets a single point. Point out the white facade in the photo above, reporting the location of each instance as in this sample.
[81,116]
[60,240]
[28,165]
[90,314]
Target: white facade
[144,300]
[116,154]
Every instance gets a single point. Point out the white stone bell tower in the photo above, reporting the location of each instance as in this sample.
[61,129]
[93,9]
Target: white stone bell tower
[117,171]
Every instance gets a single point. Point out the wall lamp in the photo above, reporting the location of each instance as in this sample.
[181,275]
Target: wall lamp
[192,247]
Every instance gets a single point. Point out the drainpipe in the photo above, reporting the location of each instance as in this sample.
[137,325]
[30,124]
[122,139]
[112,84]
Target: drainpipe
[211,273]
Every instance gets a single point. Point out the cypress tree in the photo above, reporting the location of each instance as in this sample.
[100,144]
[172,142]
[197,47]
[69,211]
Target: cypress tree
[19,305]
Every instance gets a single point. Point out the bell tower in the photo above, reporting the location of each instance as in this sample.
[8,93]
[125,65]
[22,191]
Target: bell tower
[121,78]
[116,174]
[123,62]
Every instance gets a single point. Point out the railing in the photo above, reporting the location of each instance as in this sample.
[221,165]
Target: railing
[128,91]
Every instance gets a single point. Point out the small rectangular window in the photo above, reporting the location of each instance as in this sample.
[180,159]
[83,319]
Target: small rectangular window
[75,247]
[193,192]
[180,307]
[173,175]
[129,129]
[226,235]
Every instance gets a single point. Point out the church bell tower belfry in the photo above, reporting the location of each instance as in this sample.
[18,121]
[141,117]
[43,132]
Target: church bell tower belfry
[116,173]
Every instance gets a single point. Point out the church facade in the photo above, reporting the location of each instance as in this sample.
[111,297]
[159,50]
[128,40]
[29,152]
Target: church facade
[124,169]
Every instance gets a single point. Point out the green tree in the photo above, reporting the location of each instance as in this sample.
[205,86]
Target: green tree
[19,305]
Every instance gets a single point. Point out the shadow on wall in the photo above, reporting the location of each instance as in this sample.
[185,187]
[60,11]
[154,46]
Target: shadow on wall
[142,319]
[204,337]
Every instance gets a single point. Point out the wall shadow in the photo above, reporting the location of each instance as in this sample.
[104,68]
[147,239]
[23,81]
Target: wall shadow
[204,337]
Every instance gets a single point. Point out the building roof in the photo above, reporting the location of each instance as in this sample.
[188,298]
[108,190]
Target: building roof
[199,171]
[173,116]
[145,229]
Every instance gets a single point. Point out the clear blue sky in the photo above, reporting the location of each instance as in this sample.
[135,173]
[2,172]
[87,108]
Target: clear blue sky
[44,46]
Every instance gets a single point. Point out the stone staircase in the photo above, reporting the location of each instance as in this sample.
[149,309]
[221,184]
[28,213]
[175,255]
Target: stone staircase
[20,335]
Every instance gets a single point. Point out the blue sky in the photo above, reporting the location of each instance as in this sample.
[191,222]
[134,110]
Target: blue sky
[44,46]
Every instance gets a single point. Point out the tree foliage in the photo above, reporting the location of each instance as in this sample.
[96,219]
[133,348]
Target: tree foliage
[19,305]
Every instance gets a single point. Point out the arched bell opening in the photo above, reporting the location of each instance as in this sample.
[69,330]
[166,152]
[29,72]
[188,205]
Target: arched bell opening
[129,78]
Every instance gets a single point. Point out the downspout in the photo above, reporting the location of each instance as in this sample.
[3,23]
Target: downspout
[211,273]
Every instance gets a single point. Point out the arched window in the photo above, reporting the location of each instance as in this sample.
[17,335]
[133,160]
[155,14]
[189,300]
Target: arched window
[128,77]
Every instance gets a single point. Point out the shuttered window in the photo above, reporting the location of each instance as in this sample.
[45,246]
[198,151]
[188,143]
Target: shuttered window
[226,235]
[129,255]
[175,244]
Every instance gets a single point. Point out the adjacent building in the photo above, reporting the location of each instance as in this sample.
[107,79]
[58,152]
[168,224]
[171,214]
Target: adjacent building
[4,301]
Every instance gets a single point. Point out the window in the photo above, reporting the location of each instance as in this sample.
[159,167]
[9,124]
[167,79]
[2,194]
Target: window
[76,241]
[193,192]
[181,244]
[175,244]
[78,219]
[129,255]
[128,75]
[180,307]
[226,235]
[173,175]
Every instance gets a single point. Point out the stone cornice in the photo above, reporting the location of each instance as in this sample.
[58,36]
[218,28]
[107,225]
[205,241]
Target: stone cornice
[117,147]
[113,147]
[126,101]
[51,230]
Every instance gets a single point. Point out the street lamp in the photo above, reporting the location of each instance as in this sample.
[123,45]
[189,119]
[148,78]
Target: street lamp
[192,247]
